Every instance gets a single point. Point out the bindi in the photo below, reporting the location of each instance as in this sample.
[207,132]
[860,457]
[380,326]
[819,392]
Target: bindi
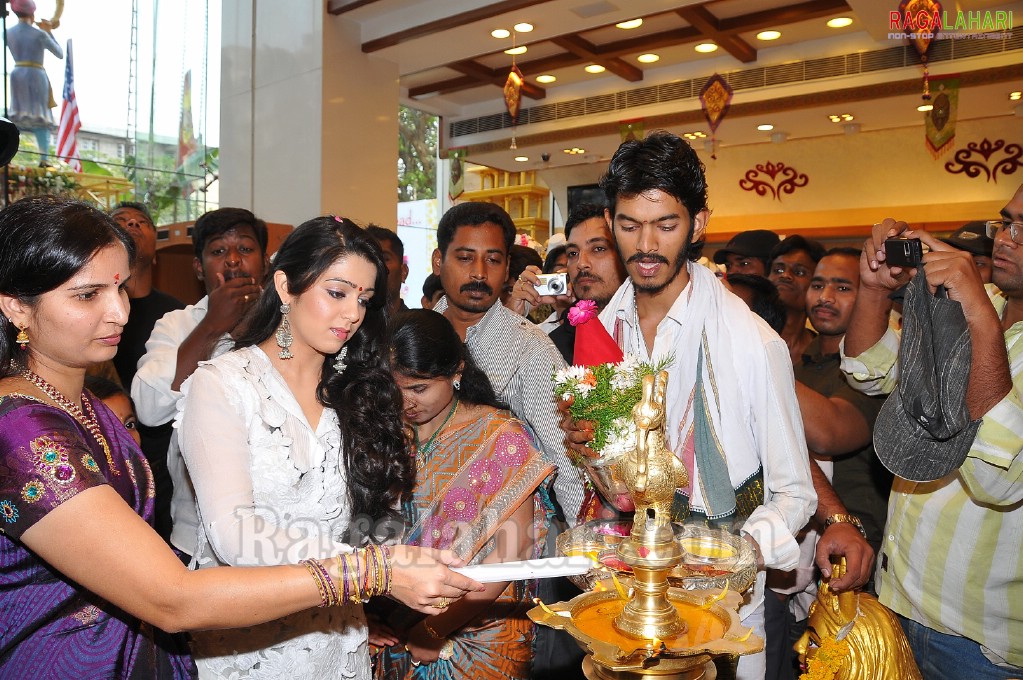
[117,278]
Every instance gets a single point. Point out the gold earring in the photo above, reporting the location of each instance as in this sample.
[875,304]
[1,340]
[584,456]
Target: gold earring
[22,338]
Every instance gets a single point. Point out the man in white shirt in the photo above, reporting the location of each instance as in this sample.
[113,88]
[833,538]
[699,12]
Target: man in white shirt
[732,414]
[230,260]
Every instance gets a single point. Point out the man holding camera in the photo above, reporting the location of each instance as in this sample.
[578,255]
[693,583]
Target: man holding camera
[951,565]
[473,241]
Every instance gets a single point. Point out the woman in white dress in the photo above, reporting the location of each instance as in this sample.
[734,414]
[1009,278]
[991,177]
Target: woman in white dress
[291,438]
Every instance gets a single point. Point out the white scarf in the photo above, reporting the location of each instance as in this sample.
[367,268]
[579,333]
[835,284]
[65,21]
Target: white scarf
[711,333]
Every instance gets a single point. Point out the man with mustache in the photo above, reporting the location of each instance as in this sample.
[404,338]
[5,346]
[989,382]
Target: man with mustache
[732,416]
[230,260]
[594,269]
[950,564]
[473,242]
[838,422]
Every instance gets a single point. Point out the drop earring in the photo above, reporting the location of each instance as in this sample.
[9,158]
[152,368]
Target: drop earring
[339,360]
[22,338]
[284,333]
[457,384]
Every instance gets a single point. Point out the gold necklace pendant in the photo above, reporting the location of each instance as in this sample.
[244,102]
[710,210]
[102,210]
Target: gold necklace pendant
[90,422]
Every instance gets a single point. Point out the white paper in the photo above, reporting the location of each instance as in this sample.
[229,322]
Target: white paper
[548,567]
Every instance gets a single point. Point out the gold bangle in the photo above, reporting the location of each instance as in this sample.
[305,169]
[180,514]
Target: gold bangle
[431,632]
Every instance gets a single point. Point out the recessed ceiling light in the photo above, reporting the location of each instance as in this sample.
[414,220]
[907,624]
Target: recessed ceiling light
[523,27]
[706,48]
[766,127]
[574,151]
[521,49]
[839,22]
[595,68]
[545,78]
[630,24]
[768,35]
[1015,96]
[924,108]
[647,58]
[500,33]
[696,134]
[522,159]
[840,117]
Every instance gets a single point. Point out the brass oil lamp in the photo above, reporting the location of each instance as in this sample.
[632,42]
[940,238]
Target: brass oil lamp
[657,631]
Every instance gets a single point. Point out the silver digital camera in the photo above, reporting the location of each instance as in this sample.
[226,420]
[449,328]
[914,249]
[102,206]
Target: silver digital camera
[552,284]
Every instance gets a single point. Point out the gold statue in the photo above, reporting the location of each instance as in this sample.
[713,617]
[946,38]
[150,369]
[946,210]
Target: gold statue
[855,636]
[655,472]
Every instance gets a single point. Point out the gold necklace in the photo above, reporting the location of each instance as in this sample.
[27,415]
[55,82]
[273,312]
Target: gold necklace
[87,420]
[423,451]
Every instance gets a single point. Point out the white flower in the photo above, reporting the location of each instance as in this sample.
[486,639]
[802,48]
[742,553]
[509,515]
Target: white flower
[570,375]
[583,389]
[621,438]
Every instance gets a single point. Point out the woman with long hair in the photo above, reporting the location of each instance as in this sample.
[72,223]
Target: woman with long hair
[295,446]
[84,578]
[481,491]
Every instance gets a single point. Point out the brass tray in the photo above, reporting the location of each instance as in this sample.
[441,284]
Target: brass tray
[714,557]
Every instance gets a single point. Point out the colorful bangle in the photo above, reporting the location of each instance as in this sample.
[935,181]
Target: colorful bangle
[317,577]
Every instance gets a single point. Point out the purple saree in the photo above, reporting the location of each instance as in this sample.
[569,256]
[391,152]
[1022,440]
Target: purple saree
[51,627]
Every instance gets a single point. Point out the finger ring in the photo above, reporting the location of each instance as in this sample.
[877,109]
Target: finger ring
[409,652]
[443,603]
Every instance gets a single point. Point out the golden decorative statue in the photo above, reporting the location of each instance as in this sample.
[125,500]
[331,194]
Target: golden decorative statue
[655,472]
[857,634]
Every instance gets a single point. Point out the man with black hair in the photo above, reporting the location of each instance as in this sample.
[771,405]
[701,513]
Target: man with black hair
[432,291]
[950,565]
[397,269]
[147,306]
[594,268]
[792,264]
[230,260]
[748,252]
[732,416]
[473,242]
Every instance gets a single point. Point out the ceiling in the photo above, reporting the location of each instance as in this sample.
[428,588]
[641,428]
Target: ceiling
[450,64]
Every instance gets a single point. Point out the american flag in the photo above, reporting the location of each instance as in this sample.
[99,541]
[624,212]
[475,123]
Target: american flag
[70,123]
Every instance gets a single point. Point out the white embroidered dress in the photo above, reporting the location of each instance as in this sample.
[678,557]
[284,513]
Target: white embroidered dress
[271,490]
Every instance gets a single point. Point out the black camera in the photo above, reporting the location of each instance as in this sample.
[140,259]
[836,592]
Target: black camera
[903,252]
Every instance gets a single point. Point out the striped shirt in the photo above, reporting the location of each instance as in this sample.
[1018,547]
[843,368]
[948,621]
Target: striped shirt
[951,558]
[520,361]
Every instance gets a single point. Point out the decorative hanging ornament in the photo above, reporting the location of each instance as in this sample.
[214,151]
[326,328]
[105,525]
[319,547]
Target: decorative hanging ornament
[920,20]
[513,97]
[513,93]
[715,98]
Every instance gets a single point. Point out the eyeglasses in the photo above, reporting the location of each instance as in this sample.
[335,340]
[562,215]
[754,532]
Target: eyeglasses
[994,227]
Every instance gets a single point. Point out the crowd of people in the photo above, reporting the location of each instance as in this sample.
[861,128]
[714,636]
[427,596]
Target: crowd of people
[282,479]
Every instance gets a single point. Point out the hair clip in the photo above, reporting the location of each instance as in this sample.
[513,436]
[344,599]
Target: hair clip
[338,218]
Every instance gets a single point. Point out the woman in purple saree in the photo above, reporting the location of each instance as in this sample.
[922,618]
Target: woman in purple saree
[84,578]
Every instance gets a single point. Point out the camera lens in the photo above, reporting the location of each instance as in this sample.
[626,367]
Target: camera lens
[555,286]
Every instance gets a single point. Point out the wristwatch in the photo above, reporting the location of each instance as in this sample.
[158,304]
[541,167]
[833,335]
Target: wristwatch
[847,519]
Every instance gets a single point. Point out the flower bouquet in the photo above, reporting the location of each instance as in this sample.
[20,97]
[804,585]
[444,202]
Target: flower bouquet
[605,394]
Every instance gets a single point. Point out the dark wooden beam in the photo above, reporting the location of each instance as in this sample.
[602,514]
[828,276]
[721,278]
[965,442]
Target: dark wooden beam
[700,18]
[585,50]
[488,76]
[446,23]
[771,18]
[336,7]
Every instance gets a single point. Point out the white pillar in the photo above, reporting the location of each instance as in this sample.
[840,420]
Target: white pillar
[309,124]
